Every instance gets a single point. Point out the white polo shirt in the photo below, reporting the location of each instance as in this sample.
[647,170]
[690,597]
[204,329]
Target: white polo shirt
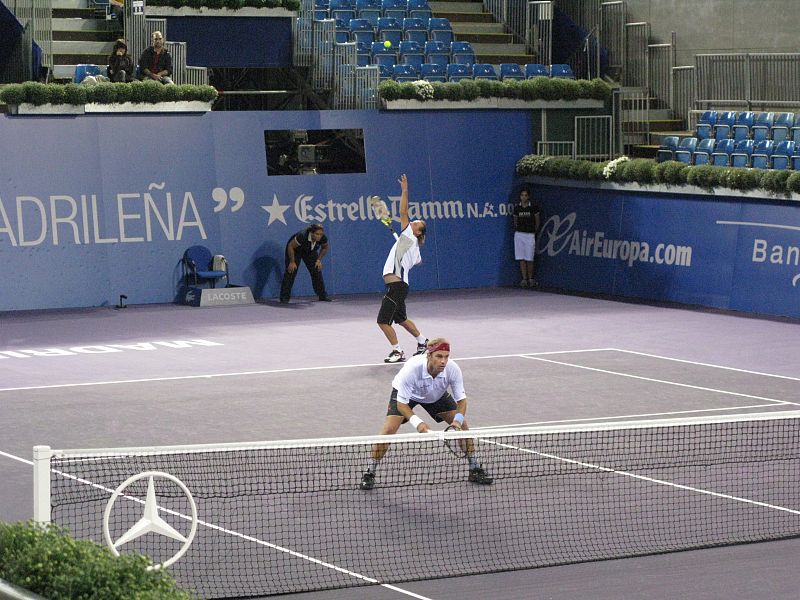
[403,255]
[413,382]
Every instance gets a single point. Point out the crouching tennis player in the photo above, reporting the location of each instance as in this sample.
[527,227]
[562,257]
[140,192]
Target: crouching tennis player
[424,380]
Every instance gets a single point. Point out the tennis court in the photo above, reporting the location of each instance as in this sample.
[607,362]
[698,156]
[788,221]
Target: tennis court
[168,375]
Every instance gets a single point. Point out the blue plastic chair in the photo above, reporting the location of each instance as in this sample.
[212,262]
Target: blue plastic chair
[82,71]
[796,157]
[382,55]
[762,154]
[511,71]
[721,156]
[419,8]
[484,71]
[390,29]
[462,53]
[363,56]
[536,70]
[705,124]
[740,129]
[685,150]
[561,71]
[725,120]
[369,10]
[457,72]
[440,29]
[762,126]
[782,154]
[385,71]
[742,151]
[411,53]
[197,267]
[433,72]
[415,30]
[782,126]
[702,154]
[361,31]
[667,149]
[404,73]
[437,52]
[342,9]
[394,8]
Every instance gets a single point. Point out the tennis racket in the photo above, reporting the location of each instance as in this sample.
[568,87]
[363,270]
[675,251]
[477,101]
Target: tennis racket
[381,212]
[460,448]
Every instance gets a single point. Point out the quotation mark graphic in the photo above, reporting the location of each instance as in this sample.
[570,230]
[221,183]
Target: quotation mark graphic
[220,196]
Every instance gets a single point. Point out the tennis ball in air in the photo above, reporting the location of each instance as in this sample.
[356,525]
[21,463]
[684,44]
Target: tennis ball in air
[387,44]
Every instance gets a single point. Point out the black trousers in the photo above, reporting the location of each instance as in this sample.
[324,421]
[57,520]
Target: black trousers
[309,259]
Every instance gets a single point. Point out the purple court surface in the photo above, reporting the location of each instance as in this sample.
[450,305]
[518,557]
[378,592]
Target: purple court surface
[168,374]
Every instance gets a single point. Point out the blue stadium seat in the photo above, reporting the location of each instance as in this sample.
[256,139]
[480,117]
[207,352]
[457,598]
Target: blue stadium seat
[419,8]
[385,71]
[82,71]
[433,72]
[462,53]
[395,9]
[342,9]
[382,55]
[342,32]
[667,149]
[740,129]
[762,126]
[361,31]
[721,156]
[369,10]
[415,30]
[561,70]
[796,157]
[437,52]
[795,130]
[722,128]
[782,127]
[484,71]
[457,72]
[705,125]
[439,29]
[742,151]
[405,73]
[390,29]
[536,70]
[782,154]
[685,150]
[511,71]
[702,154]
[321,9]
[411,53]
[363,57]
[762,154]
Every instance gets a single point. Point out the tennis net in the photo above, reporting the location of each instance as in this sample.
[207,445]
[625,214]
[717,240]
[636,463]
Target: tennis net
[285,517]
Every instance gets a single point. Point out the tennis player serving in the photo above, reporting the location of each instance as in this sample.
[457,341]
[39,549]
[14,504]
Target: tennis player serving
[403,256]
[425,380]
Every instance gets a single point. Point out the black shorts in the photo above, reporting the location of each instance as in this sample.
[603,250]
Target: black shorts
[393,305]
[442,405]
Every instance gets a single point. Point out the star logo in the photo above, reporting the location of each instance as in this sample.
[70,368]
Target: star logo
[151,521]
[276,210]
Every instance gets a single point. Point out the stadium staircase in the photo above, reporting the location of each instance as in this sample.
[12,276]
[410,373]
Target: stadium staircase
[472,24]
[81,35]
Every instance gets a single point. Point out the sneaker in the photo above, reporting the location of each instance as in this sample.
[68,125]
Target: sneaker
[395,356]
[478,475]
[325,299]
[421,348]
[523,283]
[532,283]
[367,481]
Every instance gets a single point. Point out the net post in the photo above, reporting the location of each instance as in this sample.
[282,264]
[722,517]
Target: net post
[41,484]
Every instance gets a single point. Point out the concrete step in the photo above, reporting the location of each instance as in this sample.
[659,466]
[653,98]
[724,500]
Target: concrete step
[76,13]
[455,6]
[470,27]
[78,24]
[82,47]
[70,3]
[86,36]
[654,114]
[485,38]
[81,59]
[496,59]
[467,17]
[499,48]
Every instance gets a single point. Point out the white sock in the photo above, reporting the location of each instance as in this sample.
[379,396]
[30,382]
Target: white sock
[397,347]
[421,339]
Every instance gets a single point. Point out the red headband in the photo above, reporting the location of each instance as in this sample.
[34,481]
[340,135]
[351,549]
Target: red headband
[440,346]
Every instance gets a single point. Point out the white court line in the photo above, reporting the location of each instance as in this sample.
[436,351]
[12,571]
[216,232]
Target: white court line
[664,381]
[264,372]
[233,533]
[617,417]
[702,364]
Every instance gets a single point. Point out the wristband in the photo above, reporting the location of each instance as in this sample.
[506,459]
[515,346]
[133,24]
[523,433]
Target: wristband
[415,421]
[459,418]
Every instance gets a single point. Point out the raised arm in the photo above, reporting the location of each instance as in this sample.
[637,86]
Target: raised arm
[403,201]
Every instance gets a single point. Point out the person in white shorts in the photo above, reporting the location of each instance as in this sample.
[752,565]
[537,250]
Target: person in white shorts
[526,224]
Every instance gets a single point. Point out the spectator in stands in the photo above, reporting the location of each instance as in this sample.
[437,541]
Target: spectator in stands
[526,224]
[120,63]
[156,62]
[118,11]
[310,245]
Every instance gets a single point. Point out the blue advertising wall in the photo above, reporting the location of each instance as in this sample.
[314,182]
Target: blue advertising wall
[724,252]
[95,206]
